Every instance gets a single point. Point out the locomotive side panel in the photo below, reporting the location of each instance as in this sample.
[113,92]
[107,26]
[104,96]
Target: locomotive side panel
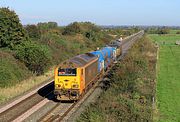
[91,71]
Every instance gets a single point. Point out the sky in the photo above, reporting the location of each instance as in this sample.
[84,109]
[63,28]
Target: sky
[100,12]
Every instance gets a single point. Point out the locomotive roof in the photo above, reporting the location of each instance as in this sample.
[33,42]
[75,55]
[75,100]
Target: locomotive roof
[78,61]
[115,43]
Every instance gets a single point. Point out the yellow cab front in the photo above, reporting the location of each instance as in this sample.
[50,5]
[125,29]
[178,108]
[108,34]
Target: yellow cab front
[67,83]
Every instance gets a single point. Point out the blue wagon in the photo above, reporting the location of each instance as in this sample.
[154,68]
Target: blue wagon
[114,51]
[107,54]
[100,56]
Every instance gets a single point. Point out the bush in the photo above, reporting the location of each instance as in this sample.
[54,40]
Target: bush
[33,31]
[80,28]
[47,25]
[178,32]
[36,57]
[12,32]
[91,35]
[72,29]
[163,31]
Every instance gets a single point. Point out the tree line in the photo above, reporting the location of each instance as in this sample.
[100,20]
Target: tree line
[163,30]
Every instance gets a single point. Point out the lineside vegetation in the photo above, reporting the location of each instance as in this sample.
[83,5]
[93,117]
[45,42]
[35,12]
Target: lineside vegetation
[34,49]
[128,96]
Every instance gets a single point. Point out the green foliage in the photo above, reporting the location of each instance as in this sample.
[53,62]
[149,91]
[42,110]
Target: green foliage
[46,26]
[33,31]
[128,94]
[158,30]
[91,35]
[135,29]
[173,31]
[36,57]
[80,27]
[118,32]
[72,29]
[12,71]
[36,45]
[151,30]
[178,32]
[12,32]
[62,48]
[88,26]
[163,31]
[52,25]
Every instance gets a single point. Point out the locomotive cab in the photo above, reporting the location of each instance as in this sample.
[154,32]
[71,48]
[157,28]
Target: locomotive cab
[67,83]
[74,76]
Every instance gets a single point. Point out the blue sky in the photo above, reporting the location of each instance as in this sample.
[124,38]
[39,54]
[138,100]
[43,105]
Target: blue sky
[101,12]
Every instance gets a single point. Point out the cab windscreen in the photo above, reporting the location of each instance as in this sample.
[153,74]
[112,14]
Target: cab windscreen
[66,72]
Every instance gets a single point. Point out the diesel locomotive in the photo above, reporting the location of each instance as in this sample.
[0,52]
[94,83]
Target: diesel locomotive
[74,76]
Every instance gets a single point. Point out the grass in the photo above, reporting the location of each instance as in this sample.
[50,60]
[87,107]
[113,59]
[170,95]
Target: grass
[168,86]
[168,79]
[10,68]
[129,97]
[12,75]
[168,39]
[25,85]
[174,31]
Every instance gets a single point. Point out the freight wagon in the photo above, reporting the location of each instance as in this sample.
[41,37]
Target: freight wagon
[100,56]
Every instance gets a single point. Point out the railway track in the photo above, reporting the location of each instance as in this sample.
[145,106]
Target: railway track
[20,109]
[61,111]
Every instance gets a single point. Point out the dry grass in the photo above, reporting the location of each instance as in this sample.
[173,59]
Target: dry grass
[11,92]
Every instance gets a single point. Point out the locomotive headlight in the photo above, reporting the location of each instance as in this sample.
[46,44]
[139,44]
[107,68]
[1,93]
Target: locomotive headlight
[75,86]
[59,85]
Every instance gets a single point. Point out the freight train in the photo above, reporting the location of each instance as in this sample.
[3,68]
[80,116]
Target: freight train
[76,75]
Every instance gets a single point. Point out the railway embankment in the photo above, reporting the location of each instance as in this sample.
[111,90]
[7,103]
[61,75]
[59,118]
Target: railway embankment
[45,109]
[129,94]
[28,59]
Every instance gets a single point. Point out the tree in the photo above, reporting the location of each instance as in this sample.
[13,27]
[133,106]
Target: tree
[46,26]
[163,31]
[12,32]
[91,35]
[72,29]
[35,56]
[86,26]
[178,32]
[33,31]
[52,25]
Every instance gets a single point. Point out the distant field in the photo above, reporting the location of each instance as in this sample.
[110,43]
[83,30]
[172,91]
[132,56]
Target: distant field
[174,31]
[168,39]
[168,80]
